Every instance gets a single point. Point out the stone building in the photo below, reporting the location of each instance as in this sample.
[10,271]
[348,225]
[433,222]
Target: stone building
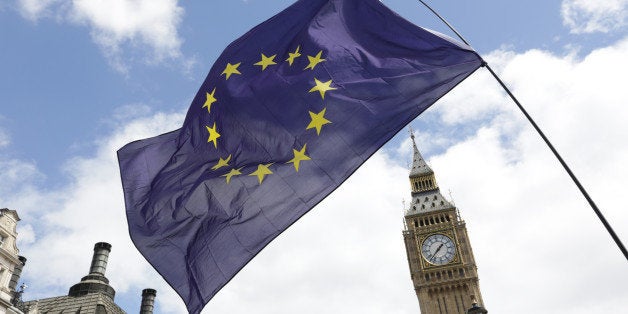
[92,295]
[440,257]
[10,261]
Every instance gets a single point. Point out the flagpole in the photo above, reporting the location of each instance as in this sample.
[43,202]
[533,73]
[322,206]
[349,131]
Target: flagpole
[597,211]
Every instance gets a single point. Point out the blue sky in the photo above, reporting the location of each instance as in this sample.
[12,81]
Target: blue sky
[73,108]
[80,78]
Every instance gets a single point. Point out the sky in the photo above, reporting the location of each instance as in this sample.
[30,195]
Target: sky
[79,79]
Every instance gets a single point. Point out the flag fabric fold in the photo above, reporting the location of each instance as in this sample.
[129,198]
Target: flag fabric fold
[286,114]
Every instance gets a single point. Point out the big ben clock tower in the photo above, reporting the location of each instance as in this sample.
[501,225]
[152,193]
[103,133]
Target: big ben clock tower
[442,266]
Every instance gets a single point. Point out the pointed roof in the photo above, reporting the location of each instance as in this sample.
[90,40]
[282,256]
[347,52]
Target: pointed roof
[426,202]
[419,166]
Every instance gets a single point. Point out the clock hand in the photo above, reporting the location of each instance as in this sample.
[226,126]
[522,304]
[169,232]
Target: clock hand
[438,249]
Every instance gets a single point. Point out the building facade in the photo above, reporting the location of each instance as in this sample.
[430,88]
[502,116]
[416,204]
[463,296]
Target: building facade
[10,261]
[440,257]
[92,295]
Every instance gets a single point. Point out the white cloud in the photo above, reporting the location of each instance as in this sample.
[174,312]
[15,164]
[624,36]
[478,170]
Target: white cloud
[16,175]
[35,9]
[119,25]
[89,209]
[5,140]
[535,240]
[589,16]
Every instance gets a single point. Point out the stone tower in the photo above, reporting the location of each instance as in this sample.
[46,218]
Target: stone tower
[442,266]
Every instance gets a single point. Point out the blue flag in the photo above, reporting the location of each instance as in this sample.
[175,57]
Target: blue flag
[286,114]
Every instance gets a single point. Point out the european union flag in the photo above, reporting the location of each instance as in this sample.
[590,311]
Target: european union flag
[286,114]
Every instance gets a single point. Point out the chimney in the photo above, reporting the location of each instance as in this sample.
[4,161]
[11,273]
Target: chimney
[99,260]
[148,301]
[17,272]
[95,281]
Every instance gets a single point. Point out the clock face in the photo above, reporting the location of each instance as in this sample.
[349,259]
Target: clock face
[438,249]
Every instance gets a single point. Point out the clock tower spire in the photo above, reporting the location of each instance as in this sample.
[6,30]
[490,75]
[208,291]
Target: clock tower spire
[442,266]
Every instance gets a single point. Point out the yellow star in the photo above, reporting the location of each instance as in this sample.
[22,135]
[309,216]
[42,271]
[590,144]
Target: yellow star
[210,100]
[213,135]
[318,120]
[261,172]
[314,60]
[266,61]
[231,69]
[233,172]
[222,163]
[322,87]
[293,55]
[299,155]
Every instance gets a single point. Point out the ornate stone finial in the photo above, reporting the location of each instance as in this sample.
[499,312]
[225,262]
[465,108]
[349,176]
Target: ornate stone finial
[473,299]
[451,198]
[475,308]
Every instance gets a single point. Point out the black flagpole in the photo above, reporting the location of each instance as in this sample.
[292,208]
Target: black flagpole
[536,127]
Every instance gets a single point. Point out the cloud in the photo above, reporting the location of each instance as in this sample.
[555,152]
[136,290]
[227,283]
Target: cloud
[5,140]
[60,226]
[36,9]
[534,235]
[119,26]
[590,16]
[535,240]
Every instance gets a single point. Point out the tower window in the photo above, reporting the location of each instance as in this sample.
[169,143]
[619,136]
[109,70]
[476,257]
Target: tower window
[461,272]
[431,220]
[100,309]
[434,197]
[416,185]
[433,205]
[421,223]
[426,199]
[430,183]
[423,206]
[427,277]
[416,223]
